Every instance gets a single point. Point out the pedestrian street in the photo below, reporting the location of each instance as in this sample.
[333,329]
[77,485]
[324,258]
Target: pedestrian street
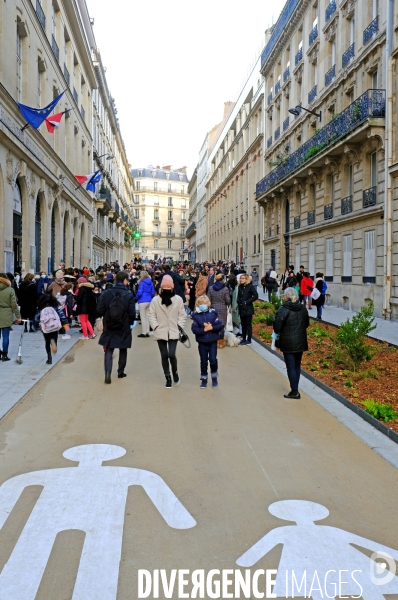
[102,485]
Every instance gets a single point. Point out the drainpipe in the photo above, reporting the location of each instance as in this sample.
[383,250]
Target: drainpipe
[388,163]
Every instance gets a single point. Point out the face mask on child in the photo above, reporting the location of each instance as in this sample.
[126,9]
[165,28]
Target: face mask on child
[43,276]
[203,307]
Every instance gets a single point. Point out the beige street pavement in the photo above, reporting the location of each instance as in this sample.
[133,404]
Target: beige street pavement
[227,454]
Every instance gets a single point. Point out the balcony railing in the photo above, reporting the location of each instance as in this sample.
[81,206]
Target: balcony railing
[313,35]
[285,124]
[76,97]
[55,48]
[299,56]
[40,15]
[330,75]
[190,229]
[330,10]
[83,113]
[371,30]
[277,133]
[371,104]
[348,56]
[311,217]
[328,211]
[66,75]
[286,74]
[312,95]
[269,98]
[369,197]
[296,223]
[346,205]
[171,235]
[277,87]
[269,142]
[278,30]
[157,234]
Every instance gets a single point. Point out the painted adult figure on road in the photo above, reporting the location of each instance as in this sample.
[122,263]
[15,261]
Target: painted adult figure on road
[91,498]
[309,547]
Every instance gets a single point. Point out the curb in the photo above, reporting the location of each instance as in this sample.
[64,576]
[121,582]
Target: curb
[392,435]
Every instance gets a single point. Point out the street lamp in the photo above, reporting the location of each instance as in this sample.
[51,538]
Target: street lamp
[297,109]
[108,156]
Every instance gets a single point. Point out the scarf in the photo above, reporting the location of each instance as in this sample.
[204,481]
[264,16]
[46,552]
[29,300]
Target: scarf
[166,296]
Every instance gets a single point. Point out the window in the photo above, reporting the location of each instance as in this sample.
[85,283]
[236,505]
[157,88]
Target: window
[19,64]
[136,199]
[169,230]
[169,244]
[156,213]
[155,186]
[347,258]
[370,258]
[138,185]
[329,259]
[259,243]
[182,230]
[255,244]
[182,189]
[38,83]
[169,187]
[373,169]
[352,31]
[156,243]
[170,203]
[183,204]
[170,215]
[156,200]
[136,243]
[297,256]
[53,21]
[136,213]
[183,216]
[155,230]
[182,245]
[333,53]
[311,258]
[375,80]
[350,181]
[331,188]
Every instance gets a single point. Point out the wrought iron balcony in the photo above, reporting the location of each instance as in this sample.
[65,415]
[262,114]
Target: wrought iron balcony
[371,104]
[285,124]
[40,14]
[269,142]
[171,235]
[313,35]
[296,223]
[269,99]
[157,234]
[348,56]
[313,94]
[83,113]
[66,75]
[299,56]
[330,75]
[277,133]
[277,87]
[55,48]
[311,217]
[286,74]
[328,211]
[371,30]
[369,197]
[330,10]
[76,97]
[278,30]
[346,205]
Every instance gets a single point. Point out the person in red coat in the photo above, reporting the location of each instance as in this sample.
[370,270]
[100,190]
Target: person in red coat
[306,287]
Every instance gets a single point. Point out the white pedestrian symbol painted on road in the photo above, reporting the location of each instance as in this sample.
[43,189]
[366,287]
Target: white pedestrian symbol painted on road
[310,549]
[91,498]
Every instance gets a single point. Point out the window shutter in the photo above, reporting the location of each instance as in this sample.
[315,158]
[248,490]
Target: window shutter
[311,258]
[329,257]
[370,254]
[297,256]
[347,256]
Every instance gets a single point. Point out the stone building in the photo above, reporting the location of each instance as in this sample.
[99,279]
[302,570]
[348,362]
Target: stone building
[193,212]
[112,223]
[234,219]
[161,208]
[323,193]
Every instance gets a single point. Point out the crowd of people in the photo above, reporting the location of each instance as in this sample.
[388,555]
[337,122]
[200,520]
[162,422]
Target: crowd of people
[216,297]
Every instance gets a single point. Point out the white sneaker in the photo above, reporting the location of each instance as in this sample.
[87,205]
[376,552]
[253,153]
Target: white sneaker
[66,336]
[83,338]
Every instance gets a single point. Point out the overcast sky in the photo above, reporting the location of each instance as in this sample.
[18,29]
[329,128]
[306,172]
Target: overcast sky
[172,65]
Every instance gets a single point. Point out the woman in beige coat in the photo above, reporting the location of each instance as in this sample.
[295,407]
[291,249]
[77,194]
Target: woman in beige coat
[201,285]
[166,314]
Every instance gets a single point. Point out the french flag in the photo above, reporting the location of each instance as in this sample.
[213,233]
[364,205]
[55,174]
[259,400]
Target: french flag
[53,122]
[89,181]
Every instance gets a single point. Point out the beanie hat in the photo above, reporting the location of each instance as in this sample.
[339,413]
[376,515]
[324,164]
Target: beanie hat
[82,280]
[167,280]
[109,276]
[59,274]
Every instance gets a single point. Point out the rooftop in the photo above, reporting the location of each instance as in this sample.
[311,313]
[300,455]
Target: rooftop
[165,173]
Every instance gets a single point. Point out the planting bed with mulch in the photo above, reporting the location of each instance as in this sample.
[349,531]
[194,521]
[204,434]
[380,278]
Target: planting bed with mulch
[375,379]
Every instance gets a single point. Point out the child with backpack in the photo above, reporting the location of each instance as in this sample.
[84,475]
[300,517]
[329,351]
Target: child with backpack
[66,301]
[51,319]
[207,328]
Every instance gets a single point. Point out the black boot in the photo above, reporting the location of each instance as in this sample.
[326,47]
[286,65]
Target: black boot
[4,356]
[49,360]
[108,377]
[168,382]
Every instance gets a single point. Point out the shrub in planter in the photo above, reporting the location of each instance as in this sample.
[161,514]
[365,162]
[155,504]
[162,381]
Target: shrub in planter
[351,338]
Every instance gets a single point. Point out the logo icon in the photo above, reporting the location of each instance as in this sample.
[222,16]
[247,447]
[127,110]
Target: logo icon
[382,568]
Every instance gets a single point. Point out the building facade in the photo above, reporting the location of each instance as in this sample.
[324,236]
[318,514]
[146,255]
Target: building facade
[160,213]
[234,218]
[324,186]
[193,211]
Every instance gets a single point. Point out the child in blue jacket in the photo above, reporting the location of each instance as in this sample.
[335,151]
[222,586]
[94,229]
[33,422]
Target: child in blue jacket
[206,326]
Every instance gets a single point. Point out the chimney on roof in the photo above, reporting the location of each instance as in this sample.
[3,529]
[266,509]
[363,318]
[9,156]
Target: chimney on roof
[167,168]
[182,170]
[157,166]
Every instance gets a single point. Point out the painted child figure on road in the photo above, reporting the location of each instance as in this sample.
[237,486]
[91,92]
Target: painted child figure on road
[308,548]
[91,498]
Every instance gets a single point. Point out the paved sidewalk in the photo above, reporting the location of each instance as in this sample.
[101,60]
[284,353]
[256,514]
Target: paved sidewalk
[385,330]
[17,380]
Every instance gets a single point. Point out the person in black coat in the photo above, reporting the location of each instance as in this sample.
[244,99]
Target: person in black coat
[27,299]
[179,283]
[291,323]
[119,337]
[85,306]
[247,294]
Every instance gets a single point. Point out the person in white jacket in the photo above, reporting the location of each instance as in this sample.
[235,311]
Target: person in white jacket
[166,314]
